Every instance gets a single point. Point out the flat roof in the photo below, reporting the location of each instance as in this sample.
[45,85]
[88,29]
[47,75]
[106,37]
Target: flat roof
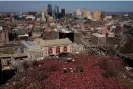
[52,42]
[98,35]
[19,55]
[103,35]
[13,55]
[31,44]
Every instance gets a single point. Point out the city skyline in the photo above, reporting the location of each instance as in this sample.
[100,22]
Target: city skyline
[69,6]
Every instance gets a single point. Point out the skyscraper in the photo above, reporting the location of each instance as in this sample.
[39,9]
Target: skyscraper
[97,15]
[49,9]
[43,15]
[63,12]
[78,12]
[89,14]
[85,13]
[56,10]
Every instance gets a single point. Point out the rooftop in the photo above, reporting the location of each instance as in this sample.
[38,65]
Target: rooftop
[98,35]
[12,55]
[30,45]
[52,42]
[103,35]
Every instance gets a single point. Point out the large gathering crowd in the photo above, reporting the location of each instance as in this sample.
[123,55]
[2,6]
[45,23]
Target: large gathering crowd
[82,71]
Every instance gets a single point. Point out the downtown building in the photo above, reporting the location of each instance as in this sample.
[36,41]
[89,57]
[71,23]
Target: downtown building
[56,12]
[4,37]
[41,16]
[49,10]
[87,13]
[63,12]
[98,15]
[78,13]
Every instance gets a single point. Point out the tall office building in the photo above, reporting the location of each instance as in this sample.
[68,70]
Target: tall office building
[97,15]
[56,11]
[78,12]
[49,10]
[43,15]
[85,13]
[63,12]
[89,14]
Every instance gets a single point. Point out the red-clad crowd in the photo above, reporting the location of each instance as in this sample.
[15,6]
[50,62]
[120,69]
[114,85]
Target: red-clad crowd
[83,73]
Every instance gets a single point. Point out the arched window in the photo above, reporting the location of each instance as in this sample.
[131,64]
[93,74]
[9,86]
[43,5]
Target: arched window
[65,48]
[58,50]
[50,51]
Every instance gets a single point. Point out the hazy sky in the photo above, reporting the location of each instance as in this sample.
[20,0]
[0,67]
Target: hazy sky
[24,6]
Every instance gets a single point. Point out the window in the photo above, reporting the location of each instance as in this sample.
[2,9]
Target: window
[65,49]
[50,51]
[5,63]
[41,54]
[58,50]
[35,55]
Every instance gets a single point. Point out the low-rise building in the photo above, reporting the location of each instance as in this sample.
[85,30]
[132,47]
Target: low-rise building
[102,40]
[30,17]
[4,36]
[54,47]
[77,47]
[10,61]
[33,50]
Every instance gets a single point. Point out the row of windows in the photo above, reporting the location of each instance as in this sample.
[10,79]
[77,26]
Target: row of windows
[57,50]
[36,55]
[6,62]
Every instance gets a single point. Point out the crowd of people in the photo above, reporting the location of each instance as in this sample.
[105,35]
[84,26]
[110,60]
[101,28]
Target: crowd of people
[83,73]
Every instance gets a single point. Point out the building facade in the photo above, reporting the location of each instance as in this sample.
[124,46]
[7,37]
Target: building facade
[85,13]
[77,47]
[63,12]
[43,15]
[102,40]
[56,12]
[78,12]
[49,10]
[97,15]
[4,37]
[33,50]
[54,47]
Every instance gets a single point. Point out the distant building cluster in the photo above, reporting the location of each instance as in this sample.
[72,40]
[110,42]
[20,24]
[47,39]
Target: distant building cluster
[97,15]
